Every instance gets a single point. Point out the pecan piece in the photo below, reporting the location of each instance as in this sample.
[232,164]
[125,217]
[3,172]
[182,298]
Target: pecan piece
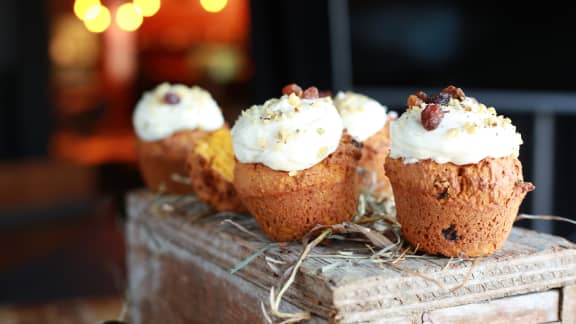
[417,99]
[422,95]
[292,88]
[413,100]
[311,93]
[455,92]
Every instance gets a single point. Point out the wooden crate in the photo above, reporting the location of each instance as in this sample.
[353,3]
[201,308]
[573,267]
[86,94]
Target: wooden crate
[179,273]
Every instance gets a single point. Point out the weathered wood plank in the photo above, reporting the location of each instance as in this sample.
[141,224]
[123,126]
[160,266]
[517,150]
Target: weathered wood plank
[348,292]
[174,286]
[540,307]
[569,305]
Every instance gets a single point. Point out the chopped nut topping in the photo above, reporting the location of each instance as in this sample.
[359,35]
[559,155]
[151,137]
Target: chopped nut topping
[413,100]
[470,127]
[491,121]
[311,93]
[422,95]
[322,152]
[271,115]
[292,88]
[282,136]
[455,92]
[453,132]
[293,100]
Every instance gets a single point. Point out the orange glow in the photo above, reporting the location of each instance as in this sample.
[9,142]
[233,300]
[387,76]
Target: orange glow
[128,17]
[213,5]
[81,7]
[148,8]
[98,20]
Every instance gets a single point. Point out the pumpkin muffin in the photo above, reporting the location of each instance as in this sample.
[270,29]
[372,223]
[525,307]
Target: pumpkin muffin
[455,174]
[295,167]
[211,165]
[168,121]
[365,119]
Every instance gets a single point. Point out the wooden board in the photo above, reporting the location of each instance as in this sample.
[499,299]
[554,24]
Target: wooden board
[179,246]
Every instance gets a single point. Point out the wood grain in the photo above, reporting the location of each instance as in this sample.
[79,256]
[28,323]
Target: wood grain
[569,305]
[178,243]
[542,307]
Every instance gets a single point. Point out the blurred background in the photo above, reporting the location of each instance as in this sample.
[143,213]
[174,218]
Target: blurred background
[72,71]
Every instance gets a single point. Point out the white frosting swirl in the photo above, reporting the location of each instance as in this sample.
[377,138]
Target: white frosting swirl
[287,134]
[468,133]
[362,116]
[155,119]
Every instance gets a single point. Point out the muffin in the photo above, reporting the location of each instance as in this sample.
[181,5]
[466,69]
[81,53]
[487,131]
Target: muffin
[211,165]
[168,121]
[455,173]
[295,166]
[366,121]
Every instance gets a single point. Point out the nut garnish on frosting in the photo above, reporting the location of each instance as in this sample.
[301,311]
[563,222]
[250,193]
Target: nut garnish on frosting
[168,109]
[362,116]
[290,133]
[451,127]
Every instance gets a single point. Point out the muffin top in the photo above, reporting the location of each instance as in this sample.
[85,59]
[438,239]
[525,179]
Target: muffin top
[362,116]
[171,108]
[451,127]
[290,133]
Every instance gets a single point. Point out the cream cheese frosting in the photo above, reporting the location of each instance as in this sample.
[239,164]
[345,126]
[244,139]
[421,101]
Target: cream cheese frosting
[287,134]
[468,133]
[362,116]
[168,109]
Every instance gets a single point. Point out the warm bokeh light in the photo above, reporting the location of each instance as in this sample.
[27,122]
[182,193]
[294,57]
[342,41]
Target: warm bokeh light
[98,20]
[81,7]
[213,5]
[128,17]
[148,8]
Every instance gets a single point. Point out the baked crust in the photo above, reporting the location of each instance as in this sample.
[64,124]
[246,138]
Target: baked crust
[375,149]
[208,183]
[159,160]
[457,210]
[287,206]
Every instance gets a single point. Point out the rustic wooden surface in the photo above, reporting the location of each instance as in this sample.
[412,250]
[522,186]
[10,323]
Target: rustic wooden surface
[334,289]
[539,307]
[569,305]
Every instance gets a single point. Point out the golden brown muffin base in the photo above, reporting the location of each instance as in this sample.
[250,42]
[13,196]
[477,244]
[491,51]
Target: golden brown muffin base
[457,210]
[159,160]
[287,207]
[374,152]
[211,186]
